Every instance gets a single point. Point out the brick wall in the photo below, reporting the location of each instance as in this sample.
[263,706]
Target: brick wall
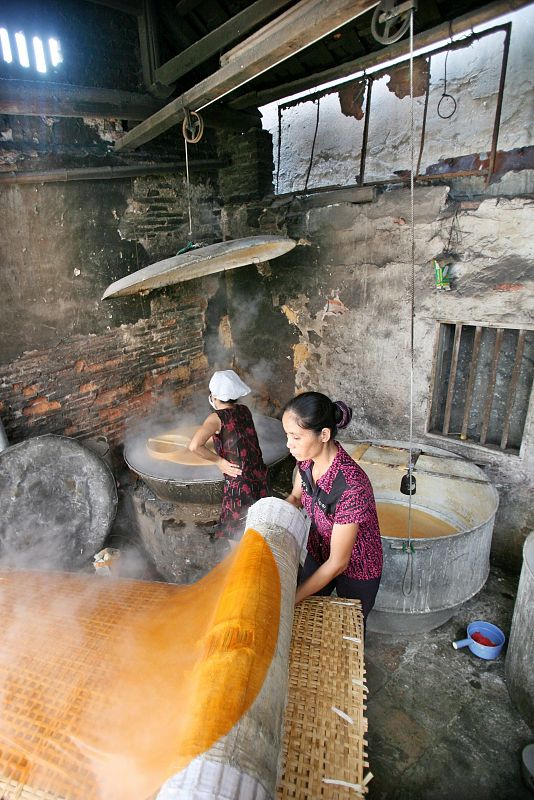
[249,173]
[97,384]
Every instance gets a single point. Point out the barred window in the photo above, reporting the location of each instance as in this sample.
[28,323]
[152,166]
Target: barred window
[482,384]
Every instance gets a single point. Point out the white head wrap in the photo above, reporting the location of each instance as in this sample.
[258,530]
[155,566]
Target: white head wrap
[227,385]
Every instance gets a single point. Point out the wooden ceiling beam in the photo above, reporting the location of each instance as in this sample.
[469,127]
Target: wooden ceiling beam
[301,26]
[45,99]
[440,33]
[217,40]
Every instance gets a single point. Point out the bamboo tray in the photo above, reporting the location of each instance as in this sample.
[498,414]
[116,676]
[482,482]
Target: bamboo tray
[324,752]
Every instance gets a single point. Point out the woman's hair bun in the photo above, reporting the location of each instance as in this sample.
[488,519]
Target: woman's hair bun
[343,414]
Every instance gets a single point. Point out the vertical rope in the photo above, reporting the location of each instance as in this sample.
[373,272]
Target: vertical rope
[190,232]
[409,565]
[279,149]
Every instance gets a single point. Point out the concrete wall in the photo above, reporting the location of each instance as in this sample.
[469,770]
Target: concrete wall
[335,312]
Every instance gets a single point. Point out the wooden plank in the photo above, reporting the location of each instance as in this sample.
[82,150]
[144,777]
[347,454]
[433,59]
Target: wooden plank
[512,388]
[217,40]
[358,194]
[440,33]
[148,44]
[313,21]
[37,99]
[471,381]
[40,98]
[436,378]
[358,452]
[452,378]
[491,387]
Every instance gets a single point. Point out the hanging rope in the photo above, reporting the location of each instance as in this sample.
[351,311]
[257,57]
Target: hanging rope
[279,148]
[192,130]
[447,97]
[313,144]
[407,588]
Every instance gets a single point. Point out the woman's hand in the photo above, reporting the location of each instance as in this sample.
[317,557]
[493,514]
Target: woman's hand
[341,544]
[295,498]
[227,468]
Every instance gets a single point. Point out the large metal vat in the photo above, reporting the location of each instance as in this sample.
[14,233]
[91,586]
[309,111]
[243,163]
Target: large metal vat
[183,483]
[425,580]
[518,666]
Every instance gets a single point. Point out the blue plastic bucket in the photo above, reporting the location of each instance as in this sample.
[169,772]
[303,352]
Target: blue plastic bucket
[488,630]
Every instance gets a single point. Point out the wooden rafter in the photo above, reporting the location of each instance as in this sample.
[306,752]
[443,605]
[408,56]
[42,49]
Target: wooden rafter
[442,32]
[217,40]
[291,32]
[43,99]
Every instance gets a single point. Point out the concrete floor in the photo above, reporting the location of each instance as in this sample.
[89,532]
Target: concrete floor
[441,723]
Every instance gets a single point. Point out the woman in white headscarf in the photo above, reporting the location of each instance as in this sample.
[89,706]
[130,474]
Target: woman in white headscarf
[238,453]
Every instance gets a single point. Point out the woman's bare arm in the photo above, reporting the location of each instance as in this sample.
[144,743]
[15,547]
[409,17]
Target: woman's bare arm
[341,544]
[295,498]
[211,425]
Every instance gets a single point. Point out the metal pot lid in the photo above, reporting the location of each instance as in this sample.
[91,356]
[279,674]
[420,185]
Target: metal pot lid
[58,502]
[200,262]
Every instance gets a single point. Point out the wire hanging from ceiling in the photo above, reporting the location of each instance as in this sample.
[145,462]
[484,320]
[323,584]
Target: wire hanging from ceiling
[192,131]
[408,574]
[313,144]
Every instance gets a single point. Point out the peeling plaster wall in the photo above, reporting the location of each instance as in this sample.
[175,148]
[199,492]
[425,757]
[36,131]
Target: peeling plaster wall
[472,79]
[333,315]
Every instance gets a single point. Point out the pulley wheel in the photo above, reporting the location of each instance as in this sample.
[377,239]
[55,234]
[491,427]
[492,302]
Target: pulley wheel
[388,26]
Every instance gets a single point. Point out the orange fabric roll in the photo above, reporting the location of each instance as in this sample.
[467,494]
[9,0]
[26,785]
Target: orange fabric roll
[110,687]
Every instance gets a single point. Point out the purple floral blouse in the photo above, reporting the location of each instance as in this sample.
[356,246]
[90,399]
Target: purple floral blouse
[343,495]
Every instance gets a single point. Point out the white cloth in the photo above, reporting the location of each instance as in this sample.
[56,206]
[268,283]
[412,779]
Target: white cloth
[227,385]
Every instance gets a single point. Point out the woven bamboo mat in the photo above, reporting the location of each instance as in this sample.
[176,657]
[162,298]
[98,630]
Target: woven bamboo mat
[325,724]
[324,749]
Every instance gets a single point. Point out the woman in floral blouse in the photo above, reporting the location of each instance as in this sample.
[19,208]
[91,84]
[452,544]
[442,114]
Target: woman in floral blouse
[344,545]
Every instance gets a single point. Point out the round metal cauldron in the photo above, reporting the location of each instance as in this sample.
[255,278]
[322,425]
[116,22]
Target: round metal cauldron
[426,579]
[180,483]
[58,502]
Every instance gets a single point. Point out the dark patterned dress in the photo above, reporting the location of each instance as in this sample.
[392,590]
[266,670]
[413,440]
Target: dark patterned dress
[237,442]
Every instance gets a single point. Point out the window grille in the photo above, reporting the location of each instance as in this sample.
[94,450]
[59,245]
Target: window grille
[482,384]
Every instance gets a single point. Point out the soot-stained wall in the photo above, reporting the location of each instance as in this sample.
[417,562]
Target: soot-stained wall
[334,314]
[71,363]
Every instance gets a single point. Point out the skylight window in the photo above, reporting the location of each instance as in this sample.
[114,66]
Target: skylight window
[38,50]
[55,52]
[24,59]
[39,54]
[5,45]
